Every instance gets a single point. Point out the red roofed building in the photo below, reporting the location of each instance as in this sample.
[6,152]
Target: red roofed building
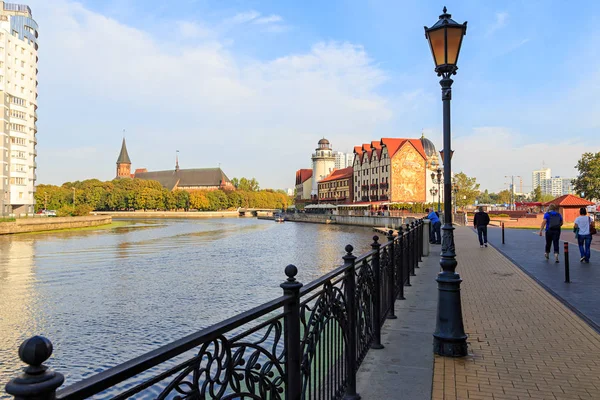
[392,169]
[337,187]
[303,185]
[569,205]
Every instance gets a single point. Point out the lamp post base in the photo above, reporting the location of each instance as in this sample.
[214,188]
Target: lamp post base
[448,348]
[449,339]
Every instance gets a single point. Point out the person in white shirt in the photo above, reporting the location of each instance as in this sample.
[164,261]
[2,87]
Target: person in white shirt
[584,237]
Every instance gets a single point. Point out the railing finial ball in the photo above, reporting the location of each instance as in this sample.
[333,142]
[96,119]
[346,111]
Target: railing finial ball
[34,351]
[291,271]
[349,249]
[375,238]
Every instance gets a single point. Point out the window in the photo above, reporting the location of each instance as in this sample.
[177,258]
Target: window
[17,181]
[22,64]
[17,127]
[17,140]
[18,114]
[18,101]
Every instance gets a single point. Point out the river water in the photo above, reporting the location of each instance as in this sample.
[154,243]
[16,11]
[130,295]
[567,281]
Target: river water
[105,296]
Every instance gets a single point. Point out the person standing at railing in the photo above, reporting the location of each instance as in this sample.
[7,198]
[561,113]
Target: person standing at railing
[434,229]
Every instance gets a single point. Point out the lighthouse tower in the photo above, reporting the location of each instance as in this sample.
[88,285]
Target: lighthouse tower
[323,163]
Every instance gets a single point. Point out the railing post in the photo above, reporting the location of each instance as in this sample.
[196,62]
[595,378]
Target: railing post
[350,294]
[36,382]
[376,344]
[416,252]
[411,250]
[405,259]
[399,264]
[392,279]
[566,251]
[420,240]
[502,232]
[293,387]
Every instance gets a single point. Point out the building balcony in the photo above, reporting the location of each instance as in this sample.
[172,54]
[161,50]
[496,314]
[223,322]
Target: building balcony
[383,185]
[364,198]
[383,197]
[364,187]
[374,186]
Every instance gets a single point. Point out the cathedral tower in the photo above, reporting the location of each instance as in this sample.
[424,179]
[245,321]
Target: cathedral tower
[123,163]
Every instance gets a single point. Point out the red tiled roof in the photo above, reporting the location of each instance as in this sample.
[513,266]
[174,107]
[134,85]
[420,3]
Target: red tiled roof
[377,146]
[302,175]
[358,150]
[343,173]
[569,200]
[394,144]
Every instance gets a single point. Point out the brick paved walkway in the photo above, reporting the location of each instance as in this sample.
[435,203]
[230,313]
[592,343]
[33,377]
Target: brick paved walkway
[523,343]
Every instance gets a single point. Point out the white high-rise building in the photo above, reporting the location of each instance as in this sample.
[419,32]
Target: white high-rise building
[539,176]
[557,186]
[18,84]
[343,160]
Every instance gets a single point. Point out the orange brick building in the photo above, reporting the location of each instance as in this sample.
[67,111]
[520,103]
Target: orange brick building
[337,187]
[569,205]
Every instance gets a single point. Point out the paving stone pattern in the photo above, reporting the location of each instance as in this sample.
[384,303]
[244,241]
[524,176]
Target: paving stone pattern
[523,342]
[526,249]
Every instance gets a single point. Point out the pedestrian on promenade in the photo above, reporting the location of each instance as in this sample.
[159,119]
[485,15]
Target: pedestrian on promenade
[480,223]
[583,234]
[552,222]
[436,236]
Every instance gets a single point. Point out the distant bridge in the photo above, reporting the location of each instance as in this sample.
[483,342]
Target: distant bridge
[254,212]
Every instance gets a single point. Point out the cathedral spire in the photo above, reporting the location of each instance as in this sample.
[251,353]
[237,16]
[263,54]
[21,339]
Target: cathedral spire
[123,156]
[176,160]
[123,163]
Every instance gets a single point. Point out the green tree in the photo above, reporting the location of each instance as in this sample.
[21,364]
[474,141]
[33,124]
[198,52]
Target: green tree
[536,195]
[504,196]
[235,182]
[199,201]
[484,197]
[468,189]
[182,199]
[588,180]
[546,197]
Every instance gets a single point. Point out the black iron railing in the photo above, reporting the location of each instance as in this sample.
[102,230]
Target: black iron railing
[306,344]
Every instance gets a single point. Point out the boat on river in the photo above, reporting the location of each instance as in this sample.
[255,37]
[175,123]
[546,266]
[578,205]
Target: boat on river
[279,218]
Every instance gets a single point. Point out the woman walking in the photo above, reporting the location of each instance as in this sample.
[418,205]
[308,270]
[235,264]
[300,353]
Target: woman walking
[552,222]
[584,235]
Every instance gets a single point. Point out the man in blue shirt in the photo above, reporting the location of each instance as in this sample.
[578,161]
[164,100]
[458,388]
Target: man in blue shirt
[434,230]
[552,222]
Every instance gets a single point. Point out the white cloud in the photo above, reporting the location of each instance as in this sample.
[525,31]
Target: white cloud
[200,98]
[189,29]
[491,153]
[268,20]
[499,23]
[242,18]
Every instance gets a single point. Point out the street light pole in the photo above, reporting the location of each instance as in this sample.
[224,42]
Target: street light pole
[445,39]
[436,178]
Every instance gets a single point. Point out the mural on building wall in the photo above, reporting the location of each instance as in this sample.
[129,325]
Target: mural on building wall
[408,176]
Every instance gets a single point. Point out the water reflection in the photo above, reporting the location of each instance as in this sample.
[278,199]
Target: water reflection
[18,297]
[105,296]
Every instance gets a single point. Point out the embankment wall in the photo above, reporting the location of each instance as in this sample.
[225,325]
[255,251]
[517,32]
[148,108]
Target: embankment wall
[24,225]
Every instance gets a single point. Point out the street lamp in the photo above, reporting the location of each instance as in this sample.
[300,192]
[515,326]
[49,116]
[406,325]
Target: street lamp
[455,189]
[433,192]
[449,339]
[436,178]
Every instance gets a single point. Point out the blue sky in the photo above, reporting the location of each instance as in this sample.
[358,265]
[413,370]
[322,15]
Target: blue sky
[253,85]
